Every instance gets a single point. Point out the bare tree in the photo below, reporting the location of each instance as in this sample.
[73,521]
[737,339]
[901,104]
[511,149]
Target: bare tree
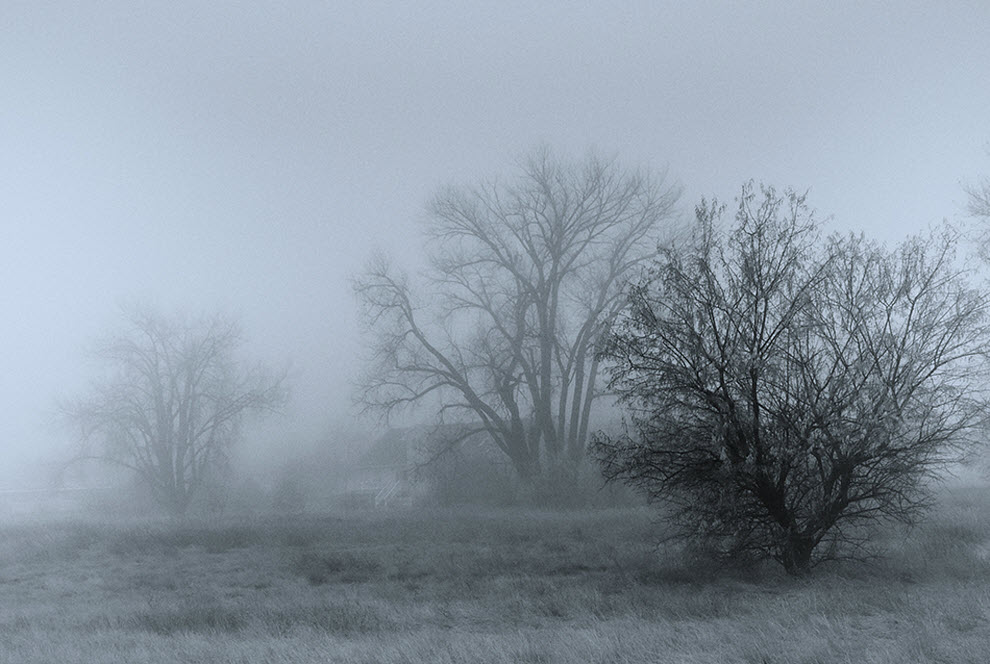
[171,401]
[978,207]
[978,204]
[787,391]
[979,199]
[522,276]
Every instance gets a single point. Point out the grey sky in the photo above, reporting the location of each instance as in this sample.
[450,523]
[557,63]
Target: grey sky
[252,156]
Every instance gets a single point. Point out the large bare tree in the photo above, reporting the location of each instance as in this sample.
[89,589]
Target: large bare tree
[787,391]
[171,400]
[523,274]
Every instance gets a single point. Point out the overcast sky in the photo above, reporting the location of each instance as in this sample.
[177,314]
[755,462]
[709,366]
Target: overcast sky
[251,157]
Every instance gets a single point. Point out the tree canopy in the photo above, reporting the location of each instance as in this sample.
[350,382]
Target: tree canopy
[788,390]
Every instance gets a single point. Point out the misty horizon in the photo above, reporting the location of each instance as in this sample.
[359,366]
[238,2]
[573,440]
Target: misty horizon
[252,160]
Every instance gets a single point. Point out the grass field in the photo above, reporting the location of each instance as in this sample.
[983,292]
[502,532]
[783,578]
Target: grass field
[478,586]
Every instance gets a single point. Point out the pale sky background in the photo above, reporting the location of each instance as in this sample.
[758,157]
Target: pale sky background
[251,156]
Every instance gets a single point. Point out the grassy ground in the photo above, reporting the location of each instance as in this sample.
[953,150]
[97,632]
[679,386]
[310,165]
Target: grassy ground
[477,587]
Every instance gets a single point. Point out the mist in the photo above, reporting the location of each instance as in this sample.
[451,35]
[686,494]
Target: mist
[252,159]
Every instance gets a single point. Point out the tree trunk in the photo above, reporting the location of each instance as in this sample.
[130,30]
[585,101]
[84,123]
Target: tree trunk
[796,554]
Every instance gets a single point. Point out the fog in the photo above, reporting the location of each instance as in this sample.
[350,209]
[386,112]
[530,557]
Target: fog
[202,156]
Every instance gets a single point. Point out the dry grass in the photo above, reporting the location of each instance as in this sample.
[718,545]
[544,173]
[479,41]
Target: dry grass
[478,587]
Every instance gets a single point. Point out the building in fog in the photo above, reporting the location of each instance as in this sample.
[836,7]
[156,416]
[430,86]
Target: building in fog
[428,464]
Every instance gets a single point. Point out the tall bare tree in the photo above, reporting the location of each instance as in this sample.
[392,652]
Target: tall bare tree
[788,391]
[523,275]
[171,401]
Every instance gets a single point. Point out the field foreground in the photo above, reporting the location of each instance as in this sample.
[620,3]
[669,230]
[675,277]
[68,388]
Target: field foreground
[476,586]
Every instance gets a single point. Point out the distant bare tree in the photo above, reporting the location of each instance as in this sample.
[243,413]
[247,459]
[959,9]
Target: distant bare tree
[523,276]
[978,204]
[786,391]
[171,401]
[978,207]
[979,199]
